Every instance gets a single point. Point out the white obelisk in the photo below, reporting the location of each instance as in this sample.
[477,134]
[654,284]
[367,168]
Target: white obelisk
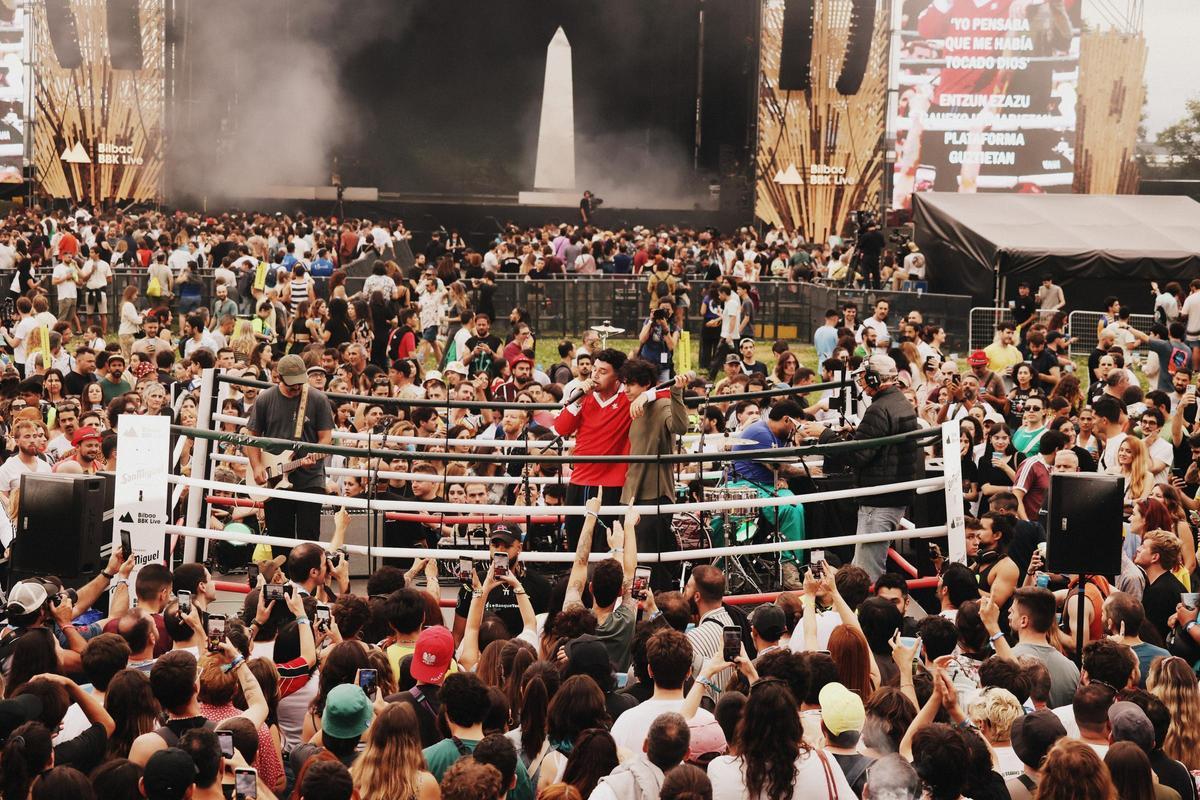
[554,175]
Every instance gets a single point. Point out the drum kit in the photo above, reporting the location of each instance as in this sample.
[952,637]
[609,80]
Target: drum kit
[606,329]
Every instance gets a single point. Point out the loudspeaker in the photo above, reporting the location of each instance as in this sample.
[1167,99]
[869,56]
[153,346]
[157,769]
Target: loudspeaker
[64,35]
[1084,531]
[796,42]
[60,528]
[858,46]
[124,34]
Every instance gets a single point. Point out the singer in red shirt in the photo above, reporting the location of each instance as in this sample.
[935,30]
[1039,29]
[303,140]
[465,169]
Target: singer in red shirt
[599,419]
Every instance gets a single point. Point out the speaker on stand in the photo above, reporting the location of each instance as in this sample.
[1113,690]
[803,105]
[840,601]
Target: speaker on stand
[1084,531]
[124,34]
[795,46]
[858,46]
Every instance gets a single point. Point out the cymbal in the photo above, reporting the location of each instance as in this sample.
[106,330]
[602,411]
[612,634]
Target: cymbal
[718,438]
[607,330]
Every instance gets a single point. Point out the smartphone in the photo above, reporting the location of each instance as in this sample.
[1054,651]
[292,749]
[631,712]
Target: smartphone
[272,591]
[1191,390]
[909,641]
[641,582]
[323,616]
[465,567]
[368,681]
[245,782]
[731,642]
[499,564]
[816,563]
[1190,600]
[126,544]
[997,458]
[226,740]
[252,573]
[185,602]
[216,631]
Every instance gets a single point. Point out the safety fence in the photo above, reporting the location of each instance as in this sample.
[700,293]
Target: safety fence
[1082,327]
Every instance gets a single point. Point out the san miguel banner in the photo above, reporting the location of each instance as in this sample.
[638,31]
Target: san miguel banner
[99,98]
[986,96]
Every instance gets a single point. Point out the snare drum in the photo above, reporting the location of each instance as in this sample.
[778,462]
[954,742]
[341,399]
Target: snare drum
[734,494]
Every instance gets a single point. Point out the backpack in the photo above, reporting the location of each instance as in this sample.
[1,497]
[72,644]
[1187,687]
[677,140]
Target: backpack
[739,618]
[1179,358]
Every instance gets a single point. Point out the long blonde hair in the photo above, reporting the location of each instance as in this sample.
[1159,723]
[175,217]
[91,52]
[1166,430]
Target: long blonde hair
[1171,680]
[1138,474]
[392,762]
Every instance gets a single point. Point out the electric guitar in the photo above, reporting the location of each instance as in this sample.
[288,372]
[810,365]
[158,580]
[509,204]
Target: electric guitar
[278,468]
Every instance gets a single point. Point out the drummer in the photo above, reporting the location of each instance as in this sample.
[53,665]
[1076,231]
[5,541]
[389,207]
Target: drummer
[776,430]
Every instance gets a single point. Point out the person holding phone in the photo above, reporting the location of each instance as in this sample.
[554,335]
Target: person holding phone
[501,599]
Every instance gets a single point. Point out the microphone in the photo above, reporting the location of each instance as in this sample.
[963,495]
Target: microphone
[576,395]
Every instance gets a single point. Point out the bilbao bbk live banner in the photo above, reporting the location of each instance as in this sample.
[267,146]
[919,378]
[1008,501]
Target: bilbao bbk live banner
[99,98]
[986,96]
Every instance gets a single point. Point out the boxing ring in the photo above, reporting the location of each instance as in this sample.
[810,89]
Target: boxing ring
[201,487]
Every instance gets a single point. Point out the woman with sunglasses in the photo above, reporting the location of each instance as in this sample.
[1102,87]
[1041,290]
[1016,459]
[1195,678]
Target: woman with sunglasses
[1026,388]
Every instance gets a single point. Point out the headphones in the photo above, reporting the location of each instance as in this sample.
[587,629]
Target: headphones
[871,378]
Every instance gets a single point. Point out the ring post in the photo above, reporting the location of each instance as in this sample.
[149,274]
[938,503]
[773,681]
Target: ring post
[200,461]
[956,530]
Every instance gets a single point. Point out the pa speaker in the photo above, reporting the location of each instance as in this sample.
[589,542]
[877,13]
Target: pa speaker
[1084,524]
[124,34]
[858,46]
[64,35]
[60,527]
[796,44]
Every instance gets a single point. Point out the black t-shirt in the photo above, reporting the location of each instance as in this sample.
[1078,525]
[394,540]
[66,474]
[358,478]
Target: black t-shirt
[503,602]
[482,361]
[427,710]
[1183,453]
[84,752]
[1160,599]
[1042,364]
[274,416]
[1023,308]
[74,383]
[406,533]
[1094,362]
[854,767]
[1173,774]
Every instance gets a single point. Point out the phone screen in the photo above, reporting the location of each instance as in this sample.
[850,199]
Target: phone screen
[245,782]
[126,544]
[465,565]
[368,681]
[216,630]
[641,582]
[226,740]
[323,613]
[252,573]
[731,642]
[500,564]
[816,561]
[273,591]
[185,602]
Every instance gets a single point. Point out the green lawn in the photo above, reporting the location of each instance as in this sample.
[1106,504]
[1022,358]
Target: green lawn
[547,351]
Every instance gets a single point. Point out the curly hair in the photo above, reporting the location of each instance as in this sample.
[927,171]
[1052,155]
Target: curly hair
[1172,681]
[769,752]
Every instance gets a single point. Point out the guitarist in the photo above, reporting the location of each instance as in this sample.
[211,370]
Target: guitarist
[276,414]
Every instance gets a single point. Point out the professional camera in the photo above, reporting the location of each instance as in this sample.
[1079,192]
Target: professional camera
[660,315]
[597,202]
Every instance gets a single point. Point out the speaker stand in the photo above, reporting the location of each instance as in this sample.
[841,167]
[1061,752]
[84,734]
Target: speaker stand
[1080,618]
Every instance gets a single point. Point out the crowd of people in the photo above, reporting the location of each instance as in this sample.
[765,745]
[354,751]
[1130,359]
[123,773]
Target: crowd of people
[608,679]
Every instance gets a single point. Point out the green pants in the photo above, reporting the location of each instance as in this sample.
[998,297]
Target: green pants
[788,520]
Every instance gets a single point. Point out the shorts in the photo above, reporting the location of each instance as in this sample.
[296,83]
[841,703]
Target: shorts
[430,334]
[66,307]
[95,301]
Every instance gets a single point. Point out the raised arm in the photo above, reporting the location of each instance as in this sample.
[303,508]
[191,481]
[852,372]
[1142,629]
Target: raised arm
[578,577]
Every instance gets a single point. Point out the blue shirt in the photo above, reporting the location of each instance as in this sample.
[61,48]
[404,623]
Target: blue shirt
[321,268]
[824,340]
[752,470]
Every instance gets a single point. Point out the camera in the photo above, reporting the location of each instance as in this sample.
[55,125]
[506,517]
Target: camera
[659,315]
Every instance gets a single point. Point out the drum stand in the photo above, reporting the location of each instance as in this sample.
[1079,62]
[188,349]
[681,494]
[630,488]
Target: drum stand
[737,576]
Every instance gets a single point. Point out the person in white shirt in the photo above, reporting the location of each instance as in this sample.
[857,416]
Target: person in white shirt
[97,276]
[65,283]
[878,323]
[18,338]
[1191,313]
[29,435]
[669,660]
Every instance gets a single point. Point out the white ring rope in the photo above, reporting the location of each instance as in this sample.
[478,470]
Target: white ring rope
[467,508]
[534,556]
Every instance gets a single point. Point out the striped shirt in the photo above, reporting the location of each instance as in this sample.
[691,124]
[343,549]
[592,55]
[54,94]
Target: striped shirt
[708,639]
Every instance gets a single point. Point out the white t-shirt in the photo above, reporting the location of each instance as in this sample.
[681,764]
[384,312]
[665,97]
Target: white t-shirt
[630,729]
[1108,459]
[1160,450]
[727,774]
[1191,310]
[21,333]
[13,468]
[826,622]
[100,275]
[67,290]
[731,318]
[881,330]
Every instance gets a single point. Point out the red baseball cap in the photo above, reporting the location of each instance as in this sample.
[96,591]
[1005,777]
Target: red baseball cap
[432,655]
[83,434]
[521,358]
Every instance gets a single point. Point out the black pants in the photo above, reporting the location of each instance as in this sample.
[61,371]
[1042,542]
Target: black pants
[579,495]
[654,535]
[718,362]
[708,344]
[292,519]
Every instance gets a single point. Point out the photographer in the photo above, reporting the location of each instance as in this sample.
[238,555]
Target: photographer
[658,339]
[869,248]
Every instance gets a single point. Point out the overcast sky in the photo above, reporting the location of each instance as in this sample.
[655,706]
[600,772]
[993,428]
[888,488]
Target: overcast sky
[1171,70]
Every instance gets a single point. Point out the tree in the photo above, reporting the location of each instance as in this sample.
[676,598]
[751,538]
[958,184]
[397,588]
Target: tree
[1182,142]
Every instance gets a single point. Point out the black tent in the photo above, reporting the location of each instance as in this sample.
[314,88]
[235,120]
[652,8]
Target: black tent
[1093,245]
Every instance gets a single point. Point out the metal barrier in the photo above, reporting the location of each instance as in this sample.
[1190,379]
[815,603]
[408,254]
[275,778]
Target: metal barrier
[1083,330]
[983,323]
[564,307]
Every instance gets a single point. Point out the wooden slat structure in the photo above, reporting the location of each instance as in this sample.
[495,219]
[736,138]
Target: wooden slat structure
[1111,93]
[842,136]
[95,108]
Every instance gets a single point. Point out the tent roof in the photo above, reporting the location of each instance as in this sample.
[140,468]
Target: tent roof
[1070,224]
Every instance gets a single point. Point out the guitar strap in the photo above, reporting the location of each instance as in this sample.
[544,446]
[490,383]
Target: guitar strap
[300,411]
